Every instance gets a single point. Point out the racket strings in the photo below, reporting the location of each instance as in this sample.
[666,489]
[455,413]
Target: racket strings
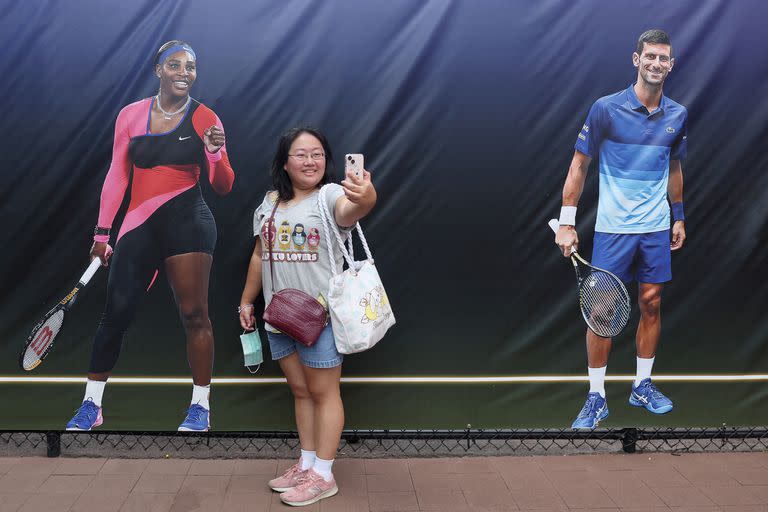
[605,303]
[42,338]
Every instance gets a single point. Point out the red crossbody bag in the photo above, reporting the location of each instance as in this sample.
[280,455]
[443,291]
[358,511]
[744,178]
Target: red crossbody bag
[291,311]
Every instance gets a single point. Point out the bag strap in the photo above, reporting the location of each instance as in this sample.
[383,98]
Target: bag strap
[270,240]
[323,210]
[330,223]
[346,250]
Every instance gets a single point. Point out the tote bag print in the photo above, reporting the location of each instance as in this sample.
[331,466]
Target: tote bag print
[375,305]
[359,306]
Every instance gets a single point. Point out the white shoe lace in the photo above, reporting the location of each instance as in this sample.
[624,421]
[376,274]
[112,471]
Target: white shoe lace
[308,479]
[292,471]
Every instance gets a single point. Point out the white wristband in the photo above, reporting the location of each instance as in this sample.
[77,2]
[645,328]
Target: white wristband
[567,216]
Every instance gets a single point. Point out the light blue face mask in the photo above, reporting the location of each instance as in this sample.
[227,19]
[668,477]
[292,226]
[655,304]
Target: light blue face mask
[252,350]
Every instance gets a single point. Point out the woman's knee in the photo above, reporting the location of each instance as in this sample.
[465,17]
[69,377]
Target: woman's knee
[298,385]
[300,390]
[294,375]
[194,317]
[324,391]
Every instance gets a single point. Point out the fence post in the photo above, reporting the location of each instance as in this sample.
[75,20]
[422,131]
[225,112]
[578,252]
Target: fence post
[351,437]
[53,443]
[629,440]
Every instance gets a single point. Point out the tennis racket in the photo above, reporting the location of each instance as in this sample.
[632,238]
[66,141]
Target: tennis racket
[603,298]
[40,340]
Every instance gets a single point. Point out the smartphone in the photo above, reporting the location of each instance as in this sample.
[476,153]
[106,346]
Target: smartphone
[354,162]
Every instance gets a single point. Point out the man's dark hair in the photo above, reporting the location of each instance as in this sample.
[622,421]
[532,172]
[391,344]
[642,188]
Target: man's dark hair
[653,36]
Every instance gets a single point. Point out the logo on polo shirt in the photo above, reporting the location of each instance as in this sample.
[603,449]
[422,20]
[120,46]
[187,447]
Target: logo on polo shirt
[670,129]
[585,128]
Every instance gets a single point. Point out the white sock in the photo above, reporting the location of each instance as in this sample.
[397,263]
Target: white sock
[644,367]
[94,390]
[597,380]
[323,468]
[307,459]
[200,396]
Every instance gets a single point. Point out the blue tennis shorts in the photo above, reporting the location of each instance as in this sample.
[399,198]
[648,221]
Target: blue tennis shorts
[322,354]
[644,257]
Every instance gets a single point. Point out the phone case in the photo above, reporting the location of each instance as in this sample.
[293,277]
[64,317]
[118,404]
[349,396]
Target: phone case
[355,163]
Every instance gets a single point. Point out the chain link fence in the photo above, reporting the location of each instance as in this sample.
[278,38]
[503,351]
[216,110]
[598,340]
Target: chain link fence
[384,443]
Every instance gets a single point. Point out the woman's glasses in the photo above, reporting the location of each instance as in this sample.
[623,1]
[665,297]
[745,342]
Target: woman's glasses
[303,157]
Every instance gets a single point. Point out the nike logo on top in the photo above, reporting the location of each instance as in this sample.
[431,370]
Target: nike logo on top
[185,138]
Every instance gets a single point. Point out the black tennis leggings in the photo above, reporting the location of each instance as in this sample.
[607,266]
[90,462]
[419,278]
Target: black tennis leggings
[182,225]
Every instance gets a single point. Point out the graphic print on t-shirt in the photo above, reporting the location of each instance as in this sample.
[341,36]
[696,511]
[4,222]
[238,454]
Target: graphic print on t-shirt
[269,233]
[299,237]
[313,239]
[295,244]
[284,236]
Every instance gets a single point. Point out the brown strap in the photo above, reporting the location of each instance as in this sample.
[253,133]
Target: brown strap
[270,240]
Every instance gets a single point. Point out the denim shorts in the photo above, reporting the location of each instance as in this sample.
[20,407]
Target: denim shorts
[322,354]
[645,258]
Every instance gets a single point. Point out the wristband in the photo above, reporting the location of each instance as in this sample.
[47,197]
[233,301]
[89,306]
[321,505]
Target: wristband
[102,239]
[244,306]
[100,231]
[677,211]
[213,157]
[567,216]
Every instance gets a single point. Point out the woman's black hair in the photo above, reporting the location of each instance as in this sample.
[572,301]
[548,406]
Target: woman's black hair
[280,179]
[165,46]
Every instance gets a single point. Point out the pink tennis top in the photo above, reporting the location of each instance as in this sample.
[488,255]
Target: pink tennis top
[164,164]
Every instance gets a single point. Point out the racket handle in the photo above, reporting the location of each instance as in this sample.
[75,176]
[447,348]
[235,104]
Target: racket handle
[92,268]
[554,225]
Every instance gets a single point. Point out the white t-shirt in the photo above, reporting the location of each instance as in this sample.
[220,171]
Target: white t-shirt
[299,250]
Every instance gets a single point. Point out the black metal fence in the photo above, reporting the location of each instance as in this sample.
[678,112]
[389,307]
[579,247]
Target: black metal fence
[384,443]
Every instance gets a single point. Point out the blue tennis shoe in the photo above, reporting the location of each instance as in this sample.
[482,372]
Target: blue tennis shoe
[647,395]
[197,420]
[87,416]
[594,411]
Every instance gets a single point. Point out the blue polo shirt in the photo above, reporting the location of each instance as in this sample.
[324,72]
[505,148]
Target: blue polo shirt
[634,148]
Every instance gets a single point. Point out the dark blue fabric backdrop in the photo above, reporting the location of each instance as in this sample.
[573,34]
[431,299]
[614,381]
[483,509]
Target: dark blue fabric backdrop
[467,113]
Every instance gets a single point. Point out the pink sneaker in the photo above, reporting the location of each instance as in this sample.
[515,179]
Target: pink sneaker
[289,479]
[312,488]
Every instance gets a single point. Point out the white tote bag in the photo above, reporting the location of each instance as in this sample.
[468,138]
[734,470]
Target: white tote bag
[359,306]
